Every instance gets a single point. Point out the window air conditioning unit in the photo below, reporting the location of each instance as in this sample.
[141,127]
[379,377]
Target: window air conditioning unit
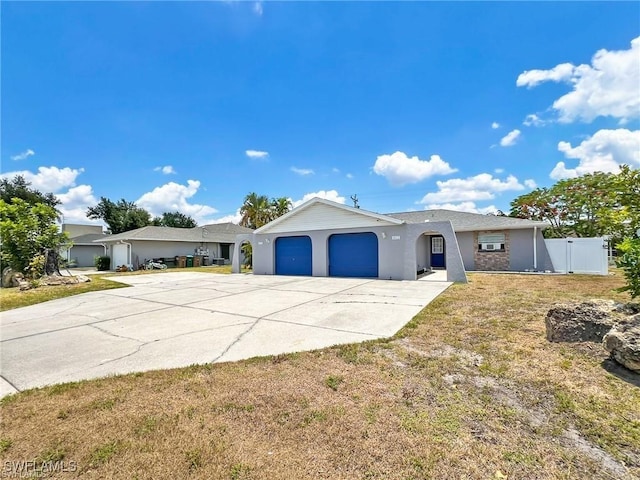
[491,246]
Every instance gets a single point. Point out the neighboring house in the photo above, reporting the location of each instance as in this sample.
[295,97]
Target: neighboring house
[84,249]
[324,238]
[216,241]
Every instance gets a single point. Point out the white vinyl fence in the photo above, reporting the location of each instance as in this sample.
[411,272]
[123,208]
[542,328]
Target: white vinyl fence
[578,255]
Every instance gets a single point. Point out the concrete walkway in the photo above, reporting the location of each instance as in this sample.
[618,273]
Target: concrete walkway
[175,319]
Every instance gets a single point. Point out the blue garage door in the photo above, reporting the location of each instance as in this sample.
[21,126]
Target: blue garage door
[293,256]
[353,255]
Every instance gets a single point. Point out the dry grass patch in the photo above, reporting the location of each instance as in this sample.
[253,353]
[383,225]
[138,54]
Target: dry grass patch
[469,389]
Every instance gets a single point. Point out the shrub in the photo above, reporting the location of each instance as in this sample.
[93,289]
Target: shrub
[102,263]
[629,262]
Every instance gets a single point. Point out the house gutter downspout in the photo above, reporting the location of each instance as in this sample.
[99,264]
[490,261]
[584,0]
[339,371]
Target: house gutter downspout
[535,248]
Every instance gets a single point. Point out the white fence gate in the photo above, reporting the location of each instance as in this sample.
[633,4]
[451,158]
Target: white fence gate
[579,255]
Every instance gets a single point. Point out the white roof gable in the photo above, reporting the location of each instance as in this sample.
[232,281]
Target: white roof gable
[321,214]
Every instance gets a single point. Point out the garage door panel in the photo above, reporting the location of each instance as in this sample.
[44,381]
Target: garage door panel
[120,255]
[293,256]
[353,255]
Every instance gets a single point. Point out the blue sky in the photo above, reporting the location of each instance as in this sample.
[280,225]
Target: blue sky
[191,105]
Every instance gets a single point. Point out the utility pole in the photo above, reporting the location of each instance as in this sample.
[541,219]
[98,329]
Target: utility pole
[355,201]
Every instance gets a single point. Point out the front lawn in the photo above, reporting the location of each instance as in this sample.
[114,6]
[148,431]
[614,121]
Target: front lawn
[11,298]
[468,389]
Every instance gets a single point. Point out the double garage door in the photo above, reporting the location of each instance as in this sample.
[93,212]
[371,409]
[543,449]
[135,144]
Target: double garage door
[350,255]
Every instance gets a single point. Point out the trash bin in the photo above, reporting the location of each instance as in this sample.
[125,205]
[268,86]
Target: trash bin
[205,260]
[189,261]
[197,261]
[182,261]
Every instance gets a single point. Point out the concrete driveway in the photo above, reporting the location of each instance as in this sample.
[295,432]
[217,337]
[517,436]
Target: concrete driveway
[176,319]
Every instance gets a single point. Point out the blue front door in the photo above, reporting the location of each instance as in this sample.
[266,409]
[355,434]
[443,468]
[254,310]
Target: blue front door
[437,252]
[353,255]
[293,256]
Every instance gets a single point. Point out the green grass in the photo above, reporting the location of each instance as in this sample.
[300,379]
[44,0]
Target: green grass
[103,453]
[11,298]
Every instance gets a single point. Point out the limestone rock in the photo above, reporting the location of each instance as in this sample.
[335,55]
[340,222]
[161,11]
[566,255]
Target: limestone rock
[11,278]
[623,342]
[585,322]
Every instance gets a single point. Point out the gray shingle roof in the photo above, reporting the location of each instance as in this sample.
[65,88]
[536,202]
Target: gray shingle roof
[215,232]
[465,222]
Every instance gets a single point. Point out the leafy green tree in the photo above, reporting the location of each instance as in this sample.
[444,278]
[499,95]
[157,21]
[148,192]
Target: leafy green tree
[629,262]
[121,216]
[627,187]
[29,234]
[18,187]
[542,205]
[175,219]
[591,205]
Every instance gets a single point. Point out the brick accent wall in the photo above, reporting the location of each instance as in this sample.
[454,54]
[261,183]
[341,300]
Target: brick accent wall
[491,261]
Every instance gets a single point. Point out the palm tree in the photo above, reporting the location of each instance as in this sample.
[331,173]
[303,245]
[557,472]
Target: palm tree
[255,211]
[280,206]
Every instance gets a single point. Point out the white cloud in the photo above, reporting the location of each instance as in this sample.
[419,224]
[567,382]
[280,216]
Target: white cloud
[499,170]
[480,187]
[605,151]
[48,179]
[167,170]
[559,73]
[608,87]
[257,154]
[302,171]
[495,125]
[24,155]
[349,176]
[510,138]
[469,207]
[335,170]
[234,218]
[530,183]
[533,120]
[332,195]
[258,8]
[400,170]
[74,204]
[172,197]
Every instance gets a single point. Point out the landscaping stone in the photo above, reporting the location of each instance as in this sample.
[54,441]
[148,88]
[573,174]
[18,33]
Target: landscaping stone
[60,280]
[623,342]
[585,322]
[10,278]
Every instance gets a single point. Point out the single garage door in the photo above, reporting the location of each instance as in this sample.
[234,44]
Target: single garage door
[293,256]
[353,255]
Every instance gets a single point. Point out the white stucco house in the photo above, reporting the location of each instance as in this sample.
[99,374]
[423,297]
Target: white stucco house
[216,241]
[324,238]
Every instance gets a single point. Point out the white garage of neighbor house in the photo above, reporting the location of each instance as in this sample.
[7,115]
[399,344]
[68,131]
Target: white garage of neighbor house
[324,238]
[216,241]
